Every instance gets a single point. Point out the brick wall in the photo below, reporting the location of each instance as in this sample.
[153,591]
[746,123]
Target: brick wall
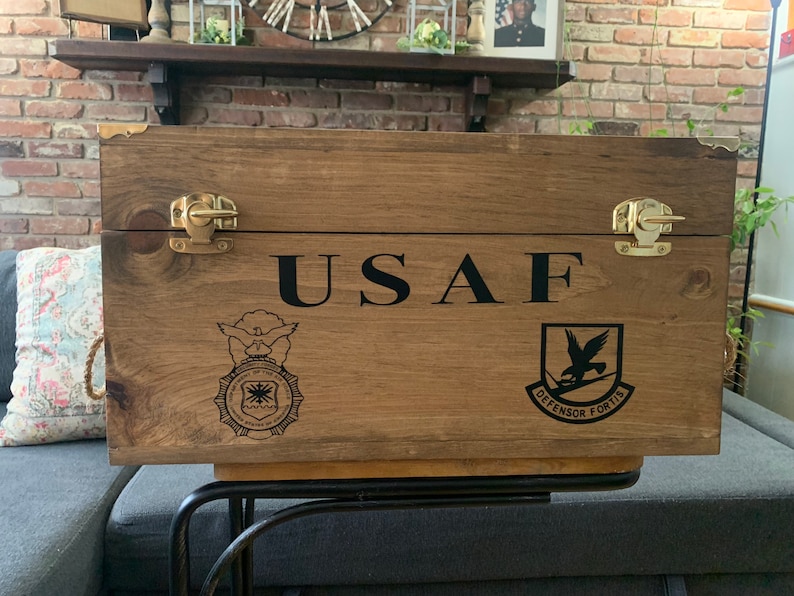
[644,65]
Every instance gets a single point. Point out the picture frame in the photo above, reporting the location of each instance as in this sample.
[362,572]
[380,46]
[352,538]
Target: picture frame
[131,14]
[539,38]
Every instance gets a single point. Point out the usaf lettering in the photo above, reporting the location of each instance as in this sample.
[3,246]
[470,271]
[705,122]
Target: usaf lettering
[466,276]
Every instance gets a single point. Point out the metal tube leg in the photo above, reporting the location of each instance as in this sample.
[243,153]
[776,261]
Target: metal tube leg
[235,529]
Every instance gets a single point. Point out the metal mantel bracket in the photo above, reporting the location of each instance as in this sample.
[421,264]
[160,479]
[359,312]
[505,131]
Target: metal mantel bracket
[166,93]
[477,94]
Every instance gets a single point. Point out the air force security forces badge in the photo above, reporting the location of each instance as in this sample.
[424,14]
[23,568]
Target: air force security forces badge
[259,398]
[581,368]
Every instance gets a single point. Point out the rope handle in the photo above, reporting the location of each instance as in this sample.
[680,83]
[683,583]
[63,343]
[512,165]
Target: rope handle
[89,370]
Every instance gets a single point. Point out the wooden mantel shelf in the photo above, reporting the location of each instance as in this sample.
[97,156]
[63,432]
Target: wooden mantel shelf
[165,62]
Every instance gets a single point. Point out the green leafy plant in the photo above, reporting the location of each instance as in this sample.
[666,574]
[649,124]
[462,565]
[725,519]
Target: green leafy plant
[753,210]
[211,33]
[429,35]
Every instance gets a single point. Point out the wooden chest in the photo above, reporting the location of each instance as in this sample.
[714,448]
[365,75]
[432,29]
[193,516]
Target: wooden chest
[328,304]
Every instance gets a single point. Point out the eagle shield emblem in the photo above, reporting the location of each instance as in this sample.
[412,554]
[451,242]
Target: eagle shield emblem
[581,368]
[259,398]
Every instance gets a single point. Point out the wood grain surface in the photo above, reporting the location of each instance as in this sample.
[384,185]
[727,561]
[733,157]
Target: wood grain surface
[413,182]
[422,297]
[418,379]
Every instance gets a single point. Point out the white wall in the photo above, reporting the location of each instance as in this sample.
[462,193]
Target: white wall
[770,378]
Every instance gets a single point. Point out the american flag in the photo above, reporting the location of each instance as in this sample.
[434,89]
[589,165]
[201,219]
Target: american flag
[504,12]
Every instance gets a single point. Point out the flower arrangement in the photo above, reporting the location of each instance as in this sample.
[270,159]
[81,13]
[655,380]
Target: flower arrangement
[429,35]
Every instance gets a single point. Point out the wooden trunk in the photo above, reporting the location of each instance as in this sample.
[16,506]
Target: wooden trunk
[411,303]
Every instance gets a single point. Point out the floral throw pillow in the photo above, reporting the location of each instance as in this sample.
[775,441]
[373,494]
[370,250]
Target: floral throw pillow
[59,313]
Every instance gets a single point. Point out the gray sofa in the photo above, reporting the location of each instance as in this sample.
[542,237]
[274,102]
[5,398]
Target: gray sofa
[717,525]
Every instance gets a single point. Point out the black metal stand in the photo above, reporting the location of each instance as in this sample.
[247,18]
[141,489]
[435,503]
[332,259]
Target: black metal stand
[347,495]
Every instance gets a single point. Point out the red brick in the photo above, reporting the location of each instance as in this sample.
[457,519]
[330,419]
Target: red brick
[13,225]
[596,109]
[25,129]
[6,26]
[717,58]
[29,168]
[747,168]
[194,116]
[616,91]
[291,119]
[87,207]
[758,22]
[89,30]
[260,97]
[371,121]
[366,101]
[530,107]
[8,188]
[756,5]
[238,117]
[80,169]
[130,92]
[646,2]
[51,189]
[108,111]
[720,19]
[49,69]
[612,15]
[421,103]
[24,242]
[711,95]
[670,17]
[745,39]
[8,66]
[741,114]
[666,56]
[58,110]
[589,32]
[694,38]
[512,125]
[668,94]
[626,55]
[742,78]
[77,242]
[17,46]
[55,150]
[59,225]
[446,123]
[10,107]
[208,94]
[640,111]
[314,98]
[42,26]
[68,130]
[756,59]
[20,7]
[115,76]
[640,36]
[575,13]
[22,88]
[637,74]
[91,189]
[82,90]
[691,76]
[594,72]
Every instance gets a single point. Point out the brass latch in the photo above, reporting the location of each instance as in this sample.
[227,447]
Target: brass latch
[646,219]
[200,214]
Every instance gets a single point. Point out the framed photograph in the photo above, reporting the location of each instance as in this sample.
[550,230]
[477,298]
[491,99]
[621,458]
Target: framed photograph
[131,14]
[524,29]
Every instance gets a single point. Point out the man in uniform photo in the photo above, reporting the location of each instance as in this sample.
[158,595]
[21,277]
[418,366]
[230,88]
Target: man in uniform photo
[521,32]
